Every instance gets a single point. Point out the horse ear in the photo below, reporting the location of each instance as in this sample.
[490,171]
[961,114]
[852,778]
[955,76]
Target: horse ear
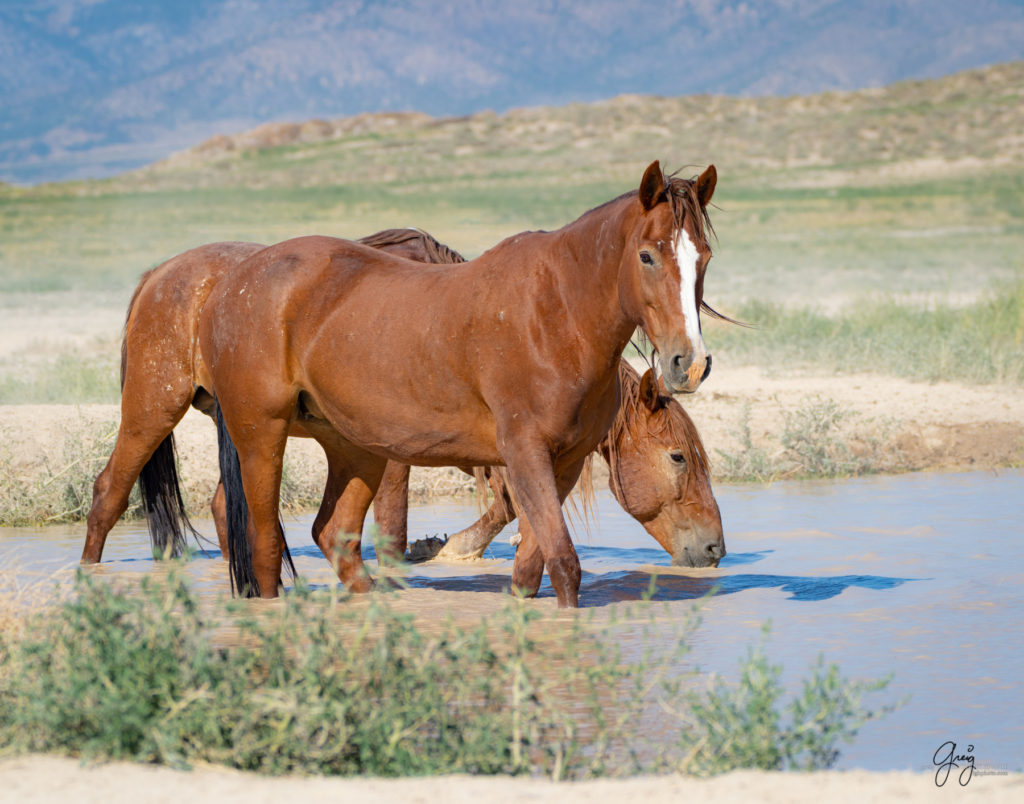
[649,391]
[706,185]
[652,185]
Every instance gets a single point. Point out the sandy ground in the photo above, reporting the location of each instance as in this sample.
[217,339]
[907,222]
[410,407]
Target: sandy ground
[931,425]
[36,778]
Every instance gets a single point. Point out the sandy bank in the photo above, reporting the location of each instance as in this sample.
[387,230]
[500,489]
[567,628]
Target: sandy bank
[40,778]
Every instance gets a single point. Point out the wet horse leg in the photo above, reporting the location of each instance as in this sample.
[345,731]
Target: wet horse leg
[260,458]
[391,509]
[540,492]
[139,434]
[528,566]
[472,541]
[353,477]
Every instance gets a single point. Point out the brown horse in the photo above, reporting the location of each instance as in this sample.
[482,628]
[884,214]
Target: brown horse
[160,366]
[659,475]
[646,430]
[510,359]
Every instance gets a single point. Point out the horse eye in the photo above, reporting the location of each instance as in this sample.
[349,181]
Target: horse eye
[678,458]
[646,258]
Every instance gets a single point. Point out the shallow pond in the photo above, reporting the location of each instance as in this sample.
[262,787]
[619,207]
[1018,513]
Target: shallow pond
[921,576]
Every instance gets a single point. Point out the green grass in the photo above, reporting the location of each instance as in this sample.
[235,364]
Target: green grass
[978,343]
[70,377]
[321,685]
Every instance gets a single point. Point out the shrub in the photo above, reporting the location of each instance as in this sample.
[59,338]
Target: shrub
[323,684]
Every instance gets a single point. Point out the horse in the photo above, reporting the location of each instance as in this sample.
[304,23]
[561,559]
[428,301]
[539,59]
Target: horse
[160,366]
[659,474]
[509,360]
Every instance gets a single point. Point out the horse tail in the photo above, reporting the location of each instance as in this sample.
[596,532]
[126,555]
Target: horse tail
[166,515]
[240,567]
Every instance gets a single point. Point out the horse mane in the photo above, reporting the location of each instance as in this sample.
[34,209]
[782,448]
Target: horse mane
[436,251]
[682,198]
[631,422]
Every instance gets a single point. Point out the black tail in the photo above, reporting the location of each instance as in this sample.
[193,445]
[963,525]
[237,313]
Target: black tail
[240,569]
[161,499]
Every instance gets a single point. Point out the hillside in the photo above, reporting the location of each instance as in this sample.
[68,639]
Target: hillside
[963,124]
[888,210]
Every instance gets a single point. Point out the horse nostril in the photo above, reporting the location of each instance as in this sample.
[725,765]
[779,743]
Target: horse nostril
[680,364]
[714,550]
[707,369]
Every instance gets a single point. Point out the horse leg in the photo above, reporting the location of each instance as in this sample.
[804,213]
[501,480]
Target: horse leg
[218,509]
[540,492]
[261,458]
[332,491]
[528,566]
[472,541]
[137,439]
[353,478]
[391,509]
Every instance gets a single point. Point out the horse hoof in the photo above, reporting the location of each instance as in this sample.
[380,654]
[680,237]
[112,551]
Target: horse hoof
[425,549]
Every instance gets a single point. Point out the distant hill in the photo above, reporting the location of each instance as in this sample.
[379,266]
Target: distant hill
[968,123]
[94,88]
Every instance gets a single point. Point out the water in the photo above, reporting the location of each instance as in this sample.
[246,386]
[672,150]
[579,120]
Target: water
[920,576]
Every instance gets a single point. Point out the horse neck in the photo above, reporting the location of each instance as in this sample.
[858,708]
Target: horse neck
[598,241]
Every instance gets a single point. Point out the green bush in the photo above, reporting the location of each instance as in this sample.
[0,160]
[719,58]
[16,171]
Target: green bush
[323,684]
[743,726]
[817,440]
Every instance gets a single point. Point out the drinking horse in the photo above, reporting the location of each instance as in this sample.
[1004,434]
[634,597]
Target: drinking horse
[658,473]
[510,359]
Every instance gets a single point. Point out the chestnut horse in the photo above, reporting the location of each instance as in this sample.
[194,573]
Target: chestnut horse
[509,359]
[658,474]
[160,367]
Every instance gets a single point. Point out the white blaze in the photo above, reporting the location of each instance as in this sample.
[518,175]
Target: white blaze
[686,258]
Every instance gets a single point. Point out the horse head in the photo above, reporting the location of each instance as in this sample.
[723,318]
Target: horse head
[660,474]
[661,278]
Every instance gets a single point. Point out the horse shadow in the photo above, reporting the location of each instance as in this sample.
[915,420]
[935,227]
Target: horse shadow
[619,586]
[599,589]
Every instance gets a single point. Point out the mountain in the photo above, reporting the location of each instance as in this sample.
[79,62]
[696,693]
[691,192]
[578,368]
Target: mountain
[94,87]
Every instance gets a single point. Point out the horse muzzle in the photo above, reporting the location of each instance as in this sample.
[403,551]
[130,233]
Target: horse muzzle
[699,548]
[683,372]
